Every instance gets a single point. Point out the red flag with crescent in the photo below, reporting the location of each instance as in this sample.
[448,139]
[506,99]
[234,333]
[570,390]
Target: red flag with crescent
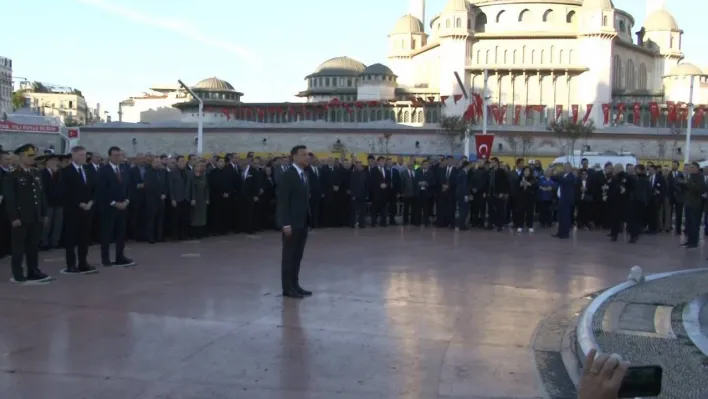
[483,144]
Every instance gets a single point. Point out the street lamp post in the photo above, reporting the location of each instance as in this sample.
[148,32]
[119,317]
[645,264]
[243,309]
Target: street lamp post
[691,106]
[200,118]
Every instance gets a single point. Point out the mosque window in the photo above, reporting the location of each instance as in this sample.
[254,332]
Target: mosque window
[414,118]
[548,16]
[570,17]
[616,73]
[621,26]
[480,22]
[349,83]
[570,56]
[458,23]
[642,76]
[560,57]
[524,15]
[514,57]
[604,20]
[500,16]
[406,117]
[469,24]
[326,82]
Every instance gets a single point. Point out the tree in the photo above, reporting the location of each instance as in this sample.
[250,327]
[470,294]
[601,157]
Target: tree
[18,99]
[675,133]
[661,150]
[454,128]
[528,144]
[514,143]
[569,133]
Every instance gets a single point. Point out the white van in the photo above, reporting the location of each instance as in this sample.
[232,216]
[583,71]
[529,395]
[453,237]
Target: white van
[597,158]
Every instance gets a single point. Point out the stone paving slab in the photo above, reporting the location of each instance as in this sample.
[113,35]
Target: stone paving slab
[685,366]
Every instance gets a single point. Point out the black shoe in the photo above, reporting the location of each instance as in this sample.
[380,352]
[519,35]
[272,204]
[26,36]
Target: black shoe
[87,269]
[18,280]
[292,294]
[124,262]
[38,278]
[106,264]
[71,270]
[613,238]
[302,291]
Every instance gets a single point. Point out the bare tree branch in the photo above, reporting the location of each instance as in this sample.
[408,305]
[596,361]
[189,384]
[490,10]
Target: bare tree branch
[454,128]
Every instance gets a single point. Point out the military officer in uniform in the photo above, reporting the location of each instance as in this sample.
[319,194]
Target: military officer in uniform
[26,210]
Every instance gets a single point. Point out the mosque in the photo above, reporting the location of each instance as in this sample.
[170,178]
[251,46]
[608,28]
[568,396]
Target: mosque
[539,61]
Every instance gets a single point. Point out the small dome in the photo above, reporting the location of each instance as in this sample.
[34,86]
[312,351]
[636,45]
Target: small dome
[601,4]
[660,20]
[340,66]
[408,24]
[686,69]
[378,69]
[456,5]
[214,84]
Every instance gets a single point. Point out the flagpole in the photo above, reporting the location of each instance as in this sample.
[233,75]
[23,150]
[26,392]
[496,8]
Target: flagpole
[687,150]
[485,117]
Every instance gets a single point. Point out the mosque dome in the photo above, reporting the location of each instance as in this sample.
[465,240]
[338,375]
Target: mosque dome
[408,24]
[378,69]
[456,5]
[686,69]
[660,20]
[215,84]
[601,4]
[339,66]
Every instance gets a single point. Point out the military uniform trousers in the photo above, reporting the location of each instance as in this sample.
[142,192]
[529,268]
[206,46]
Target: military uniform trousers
[25,246]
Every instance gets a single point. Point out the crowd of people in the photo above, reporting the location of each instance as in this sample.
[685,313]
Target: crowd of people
[71,201]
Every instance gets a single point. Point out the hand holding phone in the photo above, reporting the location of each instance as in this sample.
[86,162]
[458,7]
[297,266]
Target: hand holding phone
[608,377]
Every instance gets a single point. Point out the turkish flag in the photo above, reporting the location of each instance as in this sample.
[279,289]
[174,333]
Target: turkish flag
[574,113]
[637,112]
[73,133]
[227,113]
[517,114]
[654,111]
[698,117]
[672,114]
[559,111]
[588,110]
[483,144]
[605,114]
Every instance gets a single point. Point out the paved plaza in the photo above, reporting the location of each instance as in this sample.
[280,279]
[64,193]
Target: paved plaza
[396,313]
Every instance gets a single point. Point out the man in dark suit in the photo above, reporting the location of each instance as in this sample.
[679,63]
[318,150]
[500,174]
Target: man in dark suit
[676,188]
[91,167]
[179,181]
[407,177]
[155,188]
[137,199]
[314,176]
[566,190]
[291,216]
[52,192]
[445,199]
[359,190]
[78,194]
[658,196]
[423,190]
[250,192]
[380,182]
[114,183]
[462,195]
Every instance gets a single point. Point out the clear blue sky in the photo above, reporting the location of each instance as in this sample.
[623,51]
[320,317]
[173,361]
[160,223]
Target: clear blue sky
[112,49]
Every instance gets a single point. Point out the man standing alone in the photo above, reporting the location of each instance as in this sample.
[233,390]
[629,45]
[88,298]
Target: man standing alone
[291,216]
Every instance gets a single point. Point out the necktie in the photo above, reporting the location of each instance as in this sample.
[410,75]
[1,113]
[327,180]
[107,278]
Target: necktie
[302,177]
[117,170]
[447,175]
[316,171]
[410,173]
[81,173]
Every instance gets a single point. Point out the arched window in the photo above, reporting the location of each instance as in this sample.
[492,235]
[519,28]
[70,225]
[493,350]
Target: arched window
[505,56]
[560,57]
[500,16]
[604,20]
[400,117]
[570,17]
[524,15]
[479,56]
[414,117]
[550,54]
[486,58]
[642,76]
[523,54]
[458,23]
[617,73]
[621,26]
[548,16]
[543,57]
[406,117]
[630,78]
[480,22]
[514,57]
[496,54]
[533,57]
[570,56]
[420,117]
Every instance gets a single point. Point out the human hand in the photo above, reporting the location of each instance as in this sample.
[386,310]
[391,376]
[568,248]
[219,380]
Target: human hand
[193,202]
[226,195]
[288,231]
[174,204]
[83,206]
[16,223]
[602,376]
[335,188]
[163,196]
[141,185]
[45,220]
[255,199]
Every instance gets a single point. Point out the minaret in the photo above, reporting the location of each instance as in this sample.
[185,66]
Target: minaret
[653,5]
[418,10]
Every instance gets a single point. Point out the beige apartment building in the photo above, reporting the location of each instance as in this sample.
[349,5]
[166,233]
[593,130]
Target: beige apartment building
[66,103]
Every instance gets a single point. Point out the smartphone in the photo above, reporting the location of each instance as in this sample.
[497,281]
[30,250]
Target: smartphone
[641,382]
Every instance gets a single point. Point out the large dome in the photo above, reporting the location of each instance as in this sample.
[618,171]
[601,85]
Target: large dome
[378,69]
[456,5]
[686,69]
[339,66]
[601,4]
[660,20]
[214,84]
[408,24]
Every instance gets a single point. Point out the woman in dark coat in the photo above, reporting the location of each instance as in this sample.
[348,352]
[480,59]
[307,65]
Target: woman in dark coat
[527,191]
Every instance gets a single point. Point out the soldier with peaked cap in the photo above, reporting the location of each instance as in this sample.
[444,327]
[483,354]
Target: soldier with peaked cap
[26,210]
